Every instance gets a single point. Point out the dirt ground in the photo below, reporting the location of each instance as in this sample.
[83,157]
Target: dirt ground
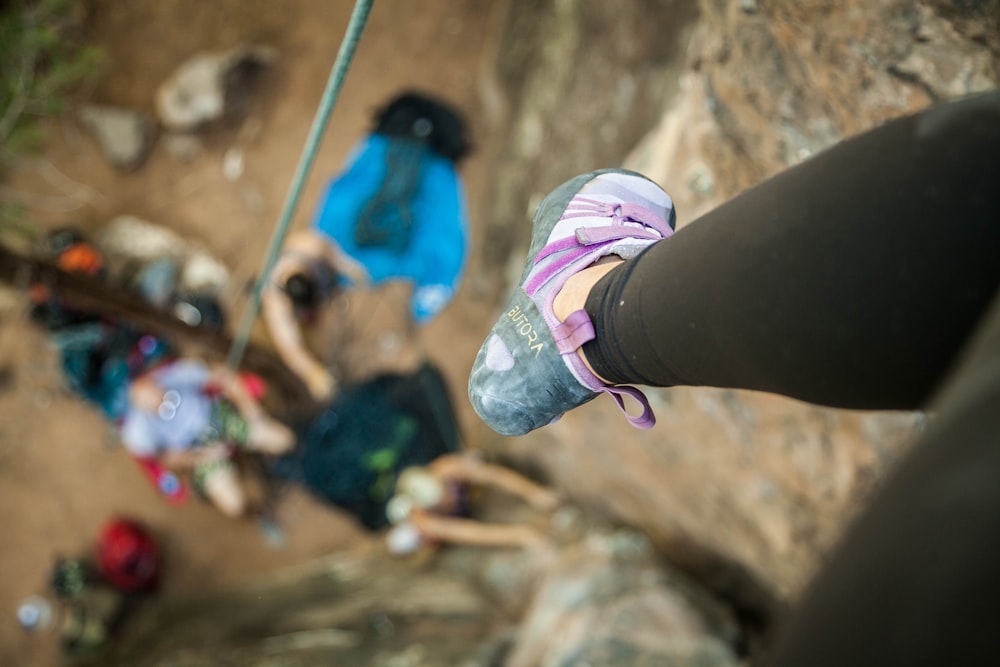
[62,474]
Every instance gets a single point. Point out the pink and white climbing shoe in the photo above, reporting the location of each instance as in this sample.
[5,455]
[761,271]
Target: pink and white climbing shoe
[528,373]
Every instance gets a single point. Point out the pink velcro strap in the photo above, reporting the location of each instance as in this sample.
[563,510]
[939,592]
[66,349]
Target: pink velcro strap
[638,213]
[595,235]
[569,336]
[643,421]
[576,330]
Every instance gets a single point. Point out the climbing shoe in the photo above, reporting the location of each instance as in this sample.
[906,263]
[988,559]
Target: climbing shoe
[528,373]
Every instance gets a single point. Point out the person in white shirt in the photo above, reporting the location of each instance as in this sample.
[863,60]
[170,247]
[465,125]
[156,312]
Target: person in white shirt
[190,416]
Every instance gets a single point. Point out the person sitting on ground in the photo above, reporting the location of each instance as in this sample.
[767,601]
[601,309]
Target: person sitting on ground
[191,416]
[431,506]
[396,212]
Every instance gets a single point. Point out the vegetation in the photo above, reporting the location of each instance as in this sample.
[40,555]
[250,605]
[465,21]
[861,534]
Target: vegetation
[41,63]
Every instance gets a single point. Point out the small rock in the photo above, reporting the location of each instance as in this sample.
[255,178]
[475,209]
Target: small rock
[210,86]
[43,399]
[157,281]
[138,239]
[127,238]
[124,135]
[203,273]
[233,164]
[185,148]
[10,299]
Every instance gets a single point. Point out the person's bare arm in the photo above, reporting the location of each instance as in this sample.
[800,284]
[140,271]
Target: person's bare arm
[466,468]
[283,326]
[235,392]
[345,264]
[265,433]
[475,533]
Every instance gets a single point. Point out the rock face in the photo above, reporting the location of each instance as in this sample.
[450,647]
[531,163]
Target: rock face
[605,600]
[609,602]
[575,86]
[355,609]
[747,491]
[744,491]
[792,78]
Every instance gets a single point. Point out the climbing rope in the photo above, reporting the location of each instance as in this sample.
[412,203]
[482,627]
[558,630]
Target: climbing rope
[347,48]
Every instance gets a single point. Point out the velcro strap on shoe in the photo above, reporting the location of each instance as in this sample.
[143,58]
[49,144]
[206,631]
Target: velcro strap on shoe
[573,332]
[595,235]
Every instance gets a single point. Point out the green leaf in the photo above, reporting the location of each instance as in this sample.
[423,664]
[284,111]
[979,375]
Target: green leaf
[40,67]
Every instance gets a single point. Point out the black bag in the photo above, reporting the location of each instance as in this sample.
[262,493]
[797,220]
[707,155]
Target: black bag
[100,359]
[415,123]
[350,455]
[427,120]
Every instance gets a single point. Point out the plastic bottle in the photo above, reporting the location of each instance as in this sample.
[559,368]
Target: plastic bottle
[35,614]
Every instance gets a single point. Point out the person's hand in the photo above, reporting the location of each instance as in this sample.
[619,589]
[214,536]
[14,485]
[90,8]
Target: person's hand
[545,500]
[354,270]
[321,384]
[145,394]
[270,436]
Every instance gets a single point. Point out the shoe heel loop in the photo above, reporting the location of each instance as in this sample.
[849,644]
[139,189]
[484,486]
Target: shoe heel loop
[646,419]
[573,332]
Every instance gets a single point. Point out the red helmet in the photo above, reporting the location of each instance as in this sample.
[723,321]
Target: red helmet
[127,556]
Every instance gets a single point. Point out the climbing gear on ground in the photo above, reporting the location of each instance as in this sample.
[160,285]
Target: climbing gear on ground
[351,454]
[386,221]
[128,556]
[417,126]
[419,117]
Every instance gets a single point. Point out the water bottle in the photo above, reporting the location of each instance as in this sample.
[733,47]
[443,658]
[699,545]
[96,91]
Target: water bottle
[35,614]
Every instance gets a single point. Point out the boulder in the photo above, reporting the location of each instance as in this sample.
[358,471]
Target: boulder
[124,135]
[607,601]
[210,86]
[746,491]
[127,239]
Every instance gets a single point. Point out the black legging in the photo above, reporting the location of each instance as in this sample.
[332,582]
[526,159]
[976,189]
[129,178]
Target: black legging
[851,280]
[864,278]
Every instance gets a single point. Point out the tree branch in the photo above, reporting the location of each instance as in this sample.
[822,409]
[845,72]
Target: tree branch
[93,295]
